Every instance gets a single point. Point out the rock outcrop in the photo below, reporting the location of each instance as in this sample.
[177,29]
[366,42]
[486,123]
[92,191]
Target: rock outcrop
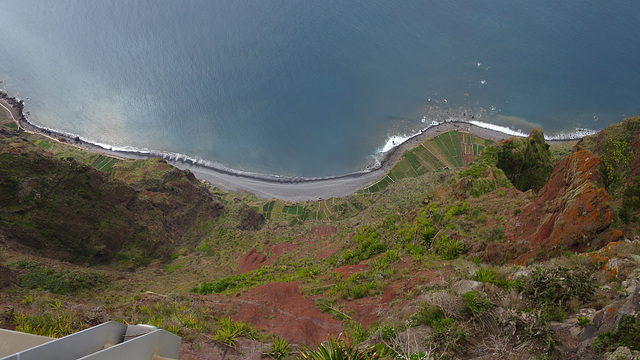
[571,212]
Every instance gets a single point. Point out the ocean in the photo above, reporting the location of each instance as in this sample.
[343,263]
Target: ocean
[314,88]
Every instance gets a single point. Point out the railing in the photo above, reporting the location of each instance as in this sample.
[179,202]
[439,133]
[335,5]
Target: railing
[110,340]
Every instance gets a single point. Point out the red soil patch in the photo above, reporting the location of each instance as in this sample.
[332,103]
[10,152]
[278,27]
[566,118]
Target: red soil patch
[324,231]
[349,270]
[251,261]
[284,247]
[280,308]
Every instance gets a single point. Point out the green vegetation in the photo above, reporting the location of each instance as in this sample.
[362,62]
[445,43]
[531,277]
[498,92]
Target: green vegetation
[477,302]
[336,349]
[584,321]
[57,282]
[615,161]
[449,249]
[53,324]
[279,349]
[229,331]
[104,163]
[526,162]
[448,150]
[263,275]
[627,334]
[368,241]
[556,286]
[631,202]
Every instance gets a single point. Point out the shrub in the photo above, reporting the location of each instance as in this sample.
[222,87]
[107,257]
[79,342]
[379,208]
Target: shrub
[556,286]
[583,321]
[485,275]
[48,324]
[526,162]
[58,282]
[263,275]
[361,290]
[602,343]
[386,332]
[230,330]
[427,235]
[448,335]
[279,349]
[614,162]
[449,249]
[335,349]
[368,246]
[630,201]
[477,302]
[456,210]
[629,332]
[428,315]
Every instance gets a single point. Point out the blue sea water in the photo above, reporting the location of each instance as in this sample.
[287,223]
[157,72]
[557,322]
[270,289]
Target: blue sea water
[314,88]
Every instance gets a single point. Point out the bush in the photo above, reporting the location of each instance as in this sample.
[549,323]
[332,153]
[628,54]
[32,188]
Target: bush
[48,324]
[230,330]
[584,321]
[485,275]
[449,249]
[614,162]
[448,335]
[628,334]
[386,332]
[630,201]
[335,349]
[279,349]
[264,275]
[552,287]
[602,343]
[526,162]
[428,315]
[368,246]
[58,282]
[477,302]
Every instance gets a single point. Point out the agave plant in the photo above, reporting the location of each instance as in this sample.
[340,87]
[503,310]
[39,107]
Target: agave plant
[279,349]
[230,330]
[335,349]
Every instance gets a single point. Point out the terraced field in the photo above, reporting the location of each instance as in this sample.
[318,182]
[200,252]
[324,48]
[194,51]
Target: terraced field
[448,150]
[104,163]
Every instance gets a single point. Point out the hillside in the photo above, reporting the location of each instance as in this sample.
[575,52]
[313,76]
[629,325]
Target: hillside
[465,249]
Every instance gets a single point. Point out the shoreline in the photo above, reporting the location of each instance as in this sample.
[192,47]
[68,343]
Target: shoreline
[264,185]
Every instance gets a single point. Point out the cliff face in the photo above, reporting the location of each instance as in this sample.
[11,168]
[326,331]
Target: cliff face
[587,192]
[73,212]
[177,194]
[571,211]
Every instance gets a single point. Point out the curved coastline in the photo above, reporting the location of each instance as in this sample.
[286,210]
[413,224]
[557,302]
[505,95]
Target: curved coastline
[273,186]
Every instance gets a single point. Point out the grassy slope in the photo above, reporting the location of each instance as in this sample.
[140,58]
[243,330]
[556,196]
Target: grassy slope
[410,223]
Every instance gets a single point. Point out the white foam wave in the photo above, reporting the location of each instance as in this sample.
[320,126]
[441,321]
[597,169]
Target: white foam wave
[499,128]
[578,133]
[394,141]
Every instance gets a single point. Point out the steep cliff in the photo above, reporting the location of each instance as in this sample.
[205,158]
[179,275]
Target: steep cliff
[571,211]
[67,210]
